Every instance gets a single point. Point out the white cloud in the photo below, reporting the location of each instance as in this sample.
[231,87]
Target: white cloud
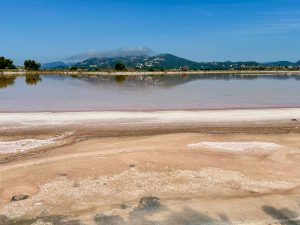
[119,52]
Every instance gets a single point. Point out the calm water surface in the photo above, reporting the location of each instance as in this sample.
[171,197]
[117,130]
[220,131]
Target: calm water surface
[65,93]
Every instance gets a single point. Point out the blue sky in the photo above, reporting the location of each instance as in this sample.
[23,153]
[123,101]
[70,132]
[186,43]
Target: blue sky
[215,30]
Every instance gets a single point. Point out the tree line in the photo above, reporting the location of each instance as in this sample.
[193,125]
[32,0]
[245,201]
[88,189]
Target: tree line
[9,64]
[33,65]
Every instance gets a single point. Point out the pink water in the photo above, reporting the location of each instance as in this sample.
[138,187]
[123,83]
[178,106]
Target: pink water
[61,93]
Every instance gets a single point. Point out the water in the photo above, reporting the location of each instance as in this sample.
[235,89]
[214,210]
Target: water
[66,93]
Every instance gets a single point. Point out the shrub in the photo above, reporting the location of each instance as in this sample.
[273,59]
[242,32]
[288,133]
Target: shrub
[6,63]
[120,66]
[31,65]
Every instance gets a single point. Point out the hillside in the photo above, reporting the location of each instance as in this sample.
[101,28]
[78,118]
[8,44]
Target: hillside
[164,61]
[56,65]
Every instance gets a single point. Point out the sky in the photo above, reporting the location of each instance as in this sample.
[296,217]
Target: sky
[203,30]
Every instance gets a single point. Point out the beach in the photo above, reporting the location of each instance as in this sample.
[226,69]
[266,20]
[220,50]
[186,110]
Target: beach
[157,167]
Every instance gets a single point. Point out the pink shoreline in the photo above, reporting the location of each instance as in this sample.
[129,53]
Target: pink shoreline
[154,110]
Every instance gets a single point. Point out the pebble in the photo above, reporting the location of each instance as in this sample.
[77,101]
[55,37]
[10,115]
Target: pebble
[19,198]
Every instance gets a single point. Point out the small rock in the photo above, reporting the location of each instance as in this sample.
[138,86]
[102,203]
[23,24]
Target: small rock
[294,120]
[62,174]
[123,206]
[76,185]
[149,203]
[19,198]
[132,165]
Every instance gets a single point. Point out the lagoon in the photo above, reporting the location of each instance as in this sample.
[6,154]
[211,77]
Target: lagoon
[55,93]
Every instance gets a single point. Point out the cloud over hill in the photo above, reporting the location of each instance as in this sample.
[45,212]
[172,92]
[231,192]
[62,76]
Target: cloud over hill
[119,52]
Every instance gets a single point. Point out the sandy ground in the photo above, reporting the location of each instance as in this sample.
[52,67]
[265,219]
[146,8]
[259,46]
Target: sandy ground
[241,170]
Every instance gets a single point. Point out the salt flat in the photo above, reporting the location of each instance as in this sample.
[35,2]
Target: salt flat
[98,173]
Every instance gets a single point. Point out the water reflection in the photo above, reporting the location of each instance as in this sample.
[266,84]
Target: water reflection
[163,81]
[32,79]
[6,81]
[120,78]
[159,92]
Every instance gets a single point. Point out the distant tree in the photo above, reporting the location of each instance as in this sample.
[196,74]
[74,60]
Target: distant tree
[73,68]
[31,65]
[6,63]
[185,68]
[120,66]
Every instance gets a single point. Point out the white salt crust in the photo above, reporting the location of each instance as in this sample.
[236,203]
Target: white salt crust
[237,146]
[7,147]
[25,120]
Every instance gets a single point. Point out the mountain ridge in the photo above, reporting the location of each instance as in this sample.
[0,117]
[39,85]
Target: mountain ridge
[57,65]
[162,61]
